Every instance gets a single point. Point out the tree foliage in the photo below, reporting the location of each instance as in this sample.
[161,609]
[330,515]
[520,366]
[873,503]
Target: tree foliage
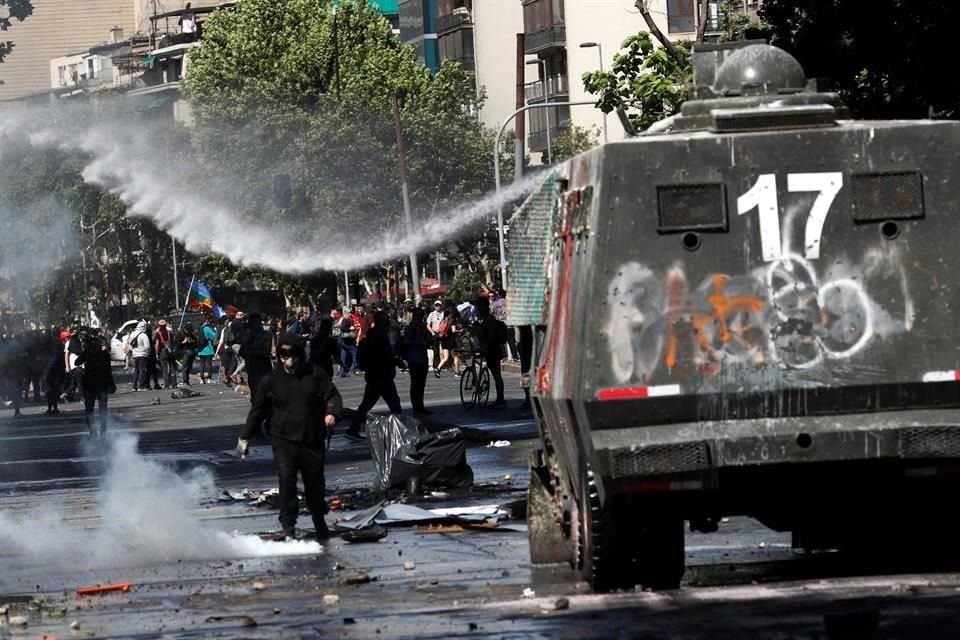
[893,72]
[645,83]
[573,141]
[18,10]
[302,92]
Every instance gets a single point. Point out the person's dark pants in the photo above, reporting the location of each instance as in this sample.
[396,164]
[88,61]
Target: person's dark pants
[168,367]
[418,382]
[54,384]
[512,343]
[307,460]
[91,397]
[348,358]
[72,384]
[375,390]
[188,356]
[152,372]
[140,373]
[206,367]
[493,363]
[227,364]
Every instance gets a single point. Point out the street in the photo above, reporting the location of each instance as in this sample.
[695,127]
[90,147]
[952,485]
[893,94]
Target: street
[69,518]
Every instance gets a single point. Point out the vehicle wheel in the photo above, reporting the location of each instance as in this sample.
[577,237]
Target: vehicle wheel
[483,388]
[544,526]
[468,385]
[621,548]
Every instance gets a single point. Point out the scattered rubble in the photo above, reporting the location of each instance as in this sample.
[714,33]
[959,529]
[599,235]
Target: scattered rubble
[408,565]
[331,599]
[357,578]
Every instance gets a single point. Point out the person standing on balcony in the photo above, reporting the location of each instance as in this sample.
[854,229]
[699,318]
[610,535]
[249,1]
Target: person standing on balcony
[188,24]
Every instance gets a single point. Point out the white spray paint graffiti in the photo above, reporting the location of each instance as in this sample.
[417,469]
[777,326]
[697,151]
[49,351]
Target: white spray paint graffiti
[782,314]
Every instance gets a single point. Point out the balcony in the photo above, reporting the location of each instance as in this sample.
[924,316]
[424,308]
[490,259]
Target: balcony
[557,86]
[456,20]
[537,140]
[555,36]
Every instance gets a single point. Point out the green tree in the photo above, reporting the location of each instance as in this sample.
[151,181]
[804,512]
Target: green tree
[465,284]
[301,95]
[893,72]
[573,141]
[18,10]
[645,84]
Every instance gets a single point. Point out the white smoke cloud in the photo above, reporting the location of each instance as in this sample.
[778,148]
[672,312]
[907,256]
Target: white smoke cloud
[146,514]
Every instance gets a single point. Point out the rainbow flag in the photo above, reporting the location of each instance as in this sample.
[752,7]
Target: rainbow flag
[199,297]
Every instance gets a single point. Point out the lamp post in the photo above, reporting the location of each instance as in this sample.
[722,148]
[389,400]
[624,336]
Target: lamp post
[496,175]
[589,45]
[546,101]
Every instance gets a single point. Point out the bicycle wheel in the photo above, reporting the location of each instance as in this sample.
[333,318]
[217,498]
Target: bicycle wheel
[468,386]
[483,388]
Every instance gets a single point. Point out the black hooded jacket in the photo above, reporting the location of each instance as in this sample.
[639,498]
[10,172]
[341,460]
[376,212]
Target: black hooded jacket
[296,403]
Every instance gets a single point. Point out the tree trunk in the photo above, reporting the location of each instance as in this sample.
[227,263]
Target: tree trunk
[655,30]
[702,22]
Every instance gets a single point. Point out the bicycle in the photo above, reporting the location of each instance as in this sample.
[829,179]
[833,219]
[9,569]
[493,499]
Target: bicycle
[475,382]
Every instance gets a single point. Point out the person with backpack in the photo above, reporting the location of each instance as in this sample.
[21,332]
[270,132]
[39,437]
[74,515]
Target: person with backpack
[376,359]
[166,348]
[493,335]
[140,347]
[302,405]
[207,339]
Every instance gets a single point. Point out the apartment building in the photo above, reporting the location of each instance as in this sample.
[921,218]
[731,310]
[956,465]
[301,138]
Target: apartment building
[562,39]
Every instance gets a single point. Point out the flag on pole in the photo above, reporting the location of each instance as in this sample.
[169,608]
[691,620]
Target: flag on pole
[199,297]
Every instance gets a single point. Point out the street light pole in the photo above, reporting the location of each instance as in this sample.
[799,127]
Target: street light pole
[176,285]
[402,153]
[588,45]
[496,175]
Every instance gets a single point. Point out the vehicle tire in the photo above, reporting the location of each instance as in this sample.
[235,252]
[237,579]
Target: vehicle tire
[545,530]
[624,547]
[468,386]
[483,388]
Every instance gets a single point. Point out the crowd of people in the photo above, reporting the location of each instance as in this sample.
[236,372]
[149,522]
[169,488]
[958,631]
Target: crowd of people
[289,367]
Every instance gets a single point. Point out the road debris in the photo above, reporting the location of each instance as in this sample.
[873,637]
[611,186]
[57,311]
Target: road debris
[499,443]
[529,593]
[75,625]
[259,586]
[18,621]
[408,565]
[245,621]
[356,578]
[402,448]
[367,534]
[560,604]
[89,591]
[331,599]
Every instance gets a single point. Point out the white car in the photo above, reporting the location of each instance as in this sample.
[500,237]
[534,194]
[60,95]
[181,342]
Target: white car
[119,340]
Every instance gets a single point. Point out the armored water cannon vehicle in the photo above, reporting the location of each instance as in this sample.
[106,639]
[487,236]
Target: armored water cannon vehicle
[749,310]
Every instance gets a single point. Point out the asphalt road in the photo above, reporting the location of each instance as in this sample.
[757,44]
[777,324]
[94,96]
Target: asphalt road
[69,518]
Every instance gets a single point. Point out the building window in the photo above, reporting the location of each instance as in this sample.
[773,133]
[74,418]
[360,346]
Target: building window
[681,16]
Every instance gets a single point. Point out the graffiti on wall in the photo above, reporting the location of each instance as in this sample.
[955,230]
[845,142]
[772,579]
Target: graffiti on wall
[783,314]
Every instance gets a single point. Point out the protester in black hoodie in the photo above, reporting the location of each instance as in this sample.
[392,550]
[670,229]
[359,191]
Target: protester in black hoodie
[376,359]
[97,378]
[302,405]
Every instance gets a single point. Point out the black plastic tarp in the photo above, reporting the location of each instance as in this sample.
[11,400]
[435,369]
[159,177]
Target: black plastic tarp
[403,448]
